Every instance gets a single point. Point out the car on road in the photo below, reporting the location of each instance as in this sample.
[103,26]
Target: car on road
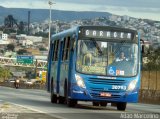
[12,80]
[29,82]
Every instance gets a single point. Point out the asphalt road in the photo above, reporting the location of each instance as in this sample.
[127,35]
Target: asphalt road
[39,101]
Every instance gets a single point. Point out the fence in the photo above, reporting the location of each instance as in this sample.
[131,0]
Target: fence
[150,87]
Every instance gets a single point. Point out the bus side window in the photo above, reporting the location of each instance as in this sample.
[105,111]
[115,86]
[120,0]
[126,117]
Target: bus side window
[56,50]
[54,46]
[72,44]
[63,49]
[66,49]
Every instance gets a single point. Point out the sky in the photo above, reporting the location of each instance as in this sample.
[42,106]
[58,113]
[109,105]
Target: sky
[149,9]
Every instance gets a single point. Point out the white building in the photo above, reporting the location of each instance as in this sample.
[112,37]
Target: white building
[26,42]
[4,42]
[147,44]
[21,37]
[34,39]
[4,36]
[113,18]
[126,18]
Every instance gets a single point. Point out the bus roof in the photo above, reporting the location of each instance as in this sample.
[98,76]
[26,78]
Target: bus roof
[74,30]
[64,33]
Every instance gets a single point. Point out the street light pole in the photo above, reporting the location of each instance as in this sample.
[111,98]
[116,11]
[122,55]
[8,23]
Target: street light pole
[49,33]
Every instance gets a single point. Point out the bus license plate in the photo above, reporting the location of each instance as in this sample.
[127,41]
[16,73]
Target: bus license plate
[105,94]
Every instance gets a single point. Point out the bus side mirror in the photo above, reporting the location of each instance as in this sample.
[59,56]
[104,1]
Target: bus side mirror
[142,45]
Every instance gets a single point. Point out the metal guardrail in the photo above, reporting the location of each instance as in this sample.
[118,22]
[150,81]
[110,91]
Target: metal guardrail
[5,61]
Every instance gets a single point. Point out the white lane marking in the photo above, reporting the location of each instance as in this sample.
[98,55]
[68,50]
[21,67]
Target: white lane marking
[38,111]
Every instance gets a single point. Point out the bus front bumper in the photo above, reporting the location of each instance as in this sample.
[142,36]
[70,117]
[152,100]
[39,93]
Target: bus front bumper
[85,95]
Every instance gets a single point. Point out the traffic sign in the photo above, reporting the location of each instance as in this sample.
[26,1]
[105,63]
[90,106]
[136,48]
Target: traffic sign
[25,59]
[44,75]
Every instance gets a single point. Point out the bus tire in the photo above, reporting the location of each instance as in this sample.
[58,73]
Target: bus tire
[69,102]
[95,103]
[53,96]
[72,102]
[103,104]
[121,106]
[61,100]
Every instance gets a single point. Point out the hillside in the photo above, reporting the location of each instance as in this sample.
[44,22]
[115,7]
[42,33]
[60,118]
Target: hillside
[39,15]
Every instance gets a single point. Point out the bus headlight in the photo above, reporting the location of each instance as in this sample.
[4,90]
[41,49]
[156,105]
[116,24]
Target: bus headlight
[132,85]
[80,81]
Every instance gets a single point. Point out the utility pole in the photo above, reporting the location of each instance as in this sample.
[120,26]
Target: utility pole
[28,22]
[50,16]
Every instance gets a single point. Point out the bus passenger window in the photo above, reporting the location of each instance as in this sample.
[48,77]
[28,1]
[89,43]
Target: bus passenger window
[66,49]
[63,50]
[56,51]
[54,47]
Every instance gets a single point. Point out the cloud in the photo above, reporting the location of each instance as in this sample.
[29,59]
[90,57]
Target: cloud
[145,10]
[120,7]
[116,3]
[121,3]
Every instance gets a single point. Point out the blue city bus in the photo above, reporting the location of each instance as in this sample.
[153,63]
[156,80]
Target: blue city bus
[101,64]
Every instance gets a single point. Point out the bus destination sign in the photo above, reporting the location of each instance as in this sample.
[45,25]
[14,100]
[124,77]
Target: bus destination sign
[108,34]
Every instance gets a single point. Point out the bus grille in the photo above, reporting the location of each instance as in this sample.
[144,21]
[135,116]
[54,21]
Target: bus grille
[97,86]
[106,81]
[108,90]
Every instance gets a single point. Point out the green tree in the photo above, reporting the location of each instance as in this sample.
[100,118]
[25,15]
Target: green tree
[21,51]
[45,35]
[10,47]
[21,28]
[4,73]
[42,49]
[153,56]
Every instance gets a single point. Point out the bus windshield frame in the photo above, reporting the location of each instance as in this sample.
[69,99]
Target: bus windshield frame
[91,52]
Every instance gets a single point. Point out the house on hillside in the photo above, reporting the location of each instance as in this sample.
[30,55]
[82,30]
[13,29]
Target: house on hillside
[4,38]
[26,42]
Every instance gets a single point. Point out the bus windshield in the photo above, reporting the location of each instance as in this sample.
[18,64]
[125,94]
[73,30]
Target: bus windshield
[99,57]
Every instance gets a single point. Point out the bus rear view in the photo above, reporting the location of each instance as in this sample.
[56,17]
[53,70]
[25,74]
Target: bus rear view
[104,67]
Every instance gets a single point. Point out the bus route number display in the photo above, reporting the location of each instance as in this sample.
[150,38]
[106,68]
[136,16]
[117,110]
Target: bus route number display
[108,34]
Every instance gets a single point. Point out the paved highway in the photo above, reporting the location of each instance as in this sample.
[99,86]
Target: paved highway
[39,100]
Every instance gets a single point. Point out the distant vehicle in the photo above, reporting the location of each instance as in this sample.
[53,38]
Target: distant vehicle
[17,83]
[6,81]
[82,66]
[33,81]
[38,82]
[12,80]
[28,82]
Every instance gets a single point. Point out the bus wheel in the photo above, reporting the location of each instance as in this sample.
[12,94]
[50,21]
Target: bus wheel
[61,100]
[53,96]
[121,106]
[95,103]
[103,104]
[71,102]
